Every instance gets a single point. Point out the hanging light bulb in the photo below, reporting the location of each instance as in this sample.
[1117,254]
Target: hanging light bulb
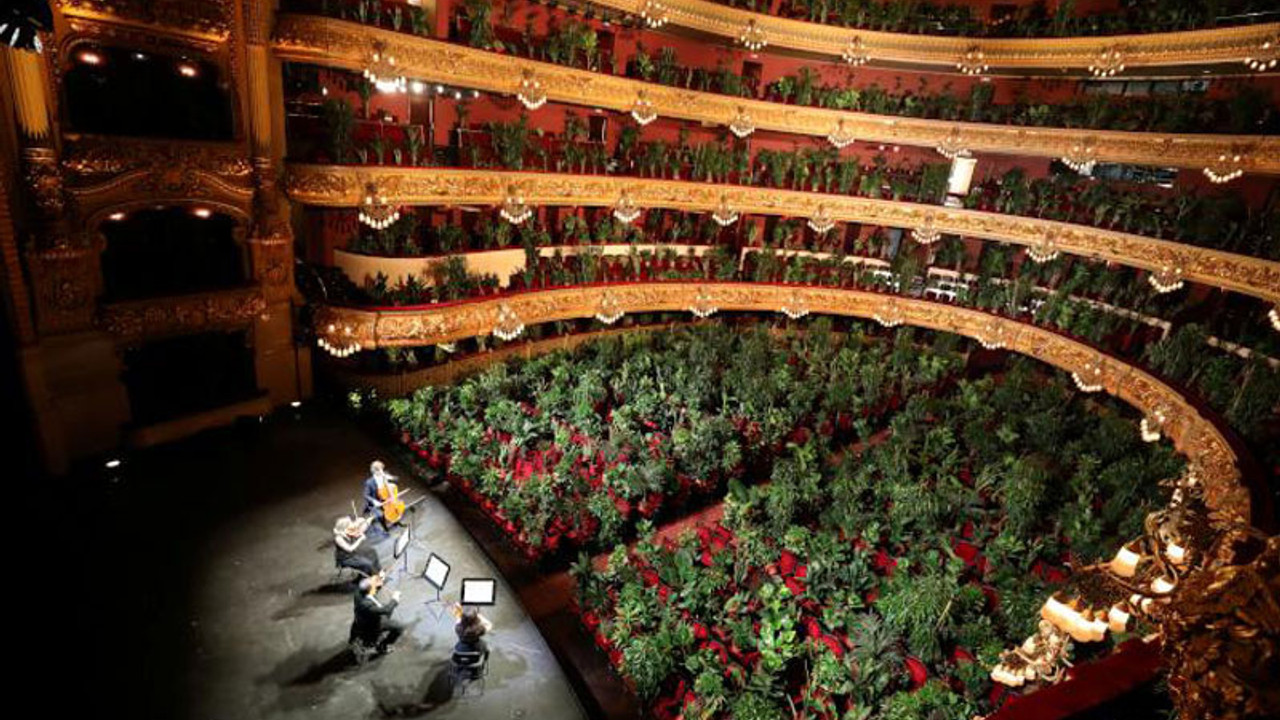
[625,210]
[1083,156]
[951,145]
[654,14]
[376,211]
[642,109]
[530,91]
[973,61]
[610,310]
[752,37]
[821,222]
[1166,280]
[1226,168]
[891,315]
[1108,62]
[702,306]
[514,210]
[1152,424]
[1046,248]
[338,342]
[724,214]
[926,233]
[383,73]
[855,53]
[1274,316]
[840,137]
[1266,57]
[741,125]
[508,326]
[1089,378]
[796,306]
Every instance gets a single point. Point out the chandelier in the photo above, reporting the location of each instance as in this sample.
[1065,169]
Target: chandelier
[383,73]
[821,222]
[1267,55]
[509,326]
[993,335]
[376,211]
[530,91]
[973,61]
[1046,248]
[654,14]
[1274,316]
[1082,156]
[340,348]
[855,53]
[724,214]
[950,146]
[741,125]
[514,210]
[840,137]
[1151,424]
[625,210]
[1166,280]
[752,37]
[796,306]
[1108,63]
[926,233]
[1089,378]
[702,306]
[610,310]
[891,315]
[1225,169]
[642,109]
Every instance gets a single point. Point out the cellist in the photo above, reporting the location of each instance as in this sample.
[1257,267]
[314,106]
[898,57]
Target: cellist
[379,490]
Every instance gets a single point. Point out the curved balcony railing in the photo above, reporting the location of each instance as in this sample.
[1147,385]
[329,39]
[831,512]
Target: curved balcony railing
[1147,50]
[336,43]
[345,186]
[1190,431]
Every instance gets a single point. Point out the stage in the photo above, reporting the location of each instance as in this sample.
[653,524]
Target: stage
[217,599]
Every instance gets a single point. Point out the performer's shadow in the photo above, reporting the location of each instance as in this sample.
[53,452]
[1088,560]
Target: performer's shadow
[308,677]
[435,690]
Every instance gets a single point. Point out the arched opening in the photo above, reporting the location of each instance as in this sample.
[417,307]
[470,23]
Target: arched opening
[170,251]
[172,377]
[114,91]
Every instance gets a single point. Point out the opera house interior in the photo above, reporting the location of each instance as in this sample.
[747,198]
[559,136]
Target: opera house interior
[650,359]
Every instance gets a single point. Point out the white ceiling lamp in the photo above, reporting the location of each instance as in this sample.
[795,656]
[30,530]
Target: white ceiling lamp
[840,137]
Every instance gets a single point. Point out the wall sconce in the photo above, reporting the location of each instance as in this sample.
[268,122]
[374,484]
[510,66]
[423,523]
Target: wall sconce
[973,61]
[752,37]
[926,233]
[376,211]
[382,71]
[993,335]
[1089,378]
[702,306]
[625,210]
[724,214]
[741,125]
[530,91]
[1226,168]
[891,315]
[1108,63]
[1046,248]
[514,210]
[821,222]
[508,326]
[796,306]
[855,53]
[1167,279]
[840,137]
[642,110]
[654,14]
[610,310]
[1266,57]
[951,145]
[1082,156]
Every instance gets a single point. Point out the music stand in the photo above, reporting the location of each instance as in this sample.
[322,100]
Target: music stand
[401,548]
[479,591]
[435,572]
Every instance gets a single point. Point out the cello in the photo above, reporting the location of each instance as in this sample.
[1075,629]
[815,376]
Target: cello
[392,506]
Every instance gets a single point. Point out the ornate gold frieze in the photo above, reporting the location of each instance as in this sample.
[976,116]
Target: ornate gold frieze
[1193,47]
[1193,434]
[63,284]
[208,20]
[336,43]
[343,186]
[183,314]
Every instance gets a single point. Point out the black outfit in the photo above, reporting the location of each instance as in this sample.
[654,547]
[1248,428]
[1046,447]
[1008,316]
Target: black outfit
[469,639]
[373,624]
[363,559]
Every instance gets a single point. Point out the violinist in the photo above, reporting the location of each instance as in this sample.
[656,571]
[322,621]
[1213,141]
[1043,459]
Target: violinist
[470,629]
[379,490]
[351,550]
[373,625]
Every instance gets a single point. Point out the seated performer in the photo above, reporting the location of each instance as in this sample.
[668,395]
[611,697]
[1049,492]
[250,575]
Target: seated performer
[471,628]
[350,549]
[373,625]
[378,491]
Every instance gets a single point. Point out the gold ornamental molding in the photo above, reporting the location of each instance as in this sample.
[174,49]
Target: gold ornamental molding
[344,186]
[202,20]
[1191,433]
[337,43]
[1192,47]
[183,314]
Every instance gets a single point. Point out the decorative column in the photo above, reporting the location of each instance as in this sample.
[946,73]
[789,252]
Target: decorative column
[271,231]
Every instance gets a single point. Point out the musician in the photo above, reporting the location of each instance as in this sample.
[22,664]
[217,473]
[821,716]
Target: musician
[471,628]
[351,550]
[377,489]
[373,624]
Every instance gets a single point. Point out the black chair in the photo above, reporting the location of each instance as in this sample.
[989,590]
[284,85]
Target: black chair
[362,648]
[467,668]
